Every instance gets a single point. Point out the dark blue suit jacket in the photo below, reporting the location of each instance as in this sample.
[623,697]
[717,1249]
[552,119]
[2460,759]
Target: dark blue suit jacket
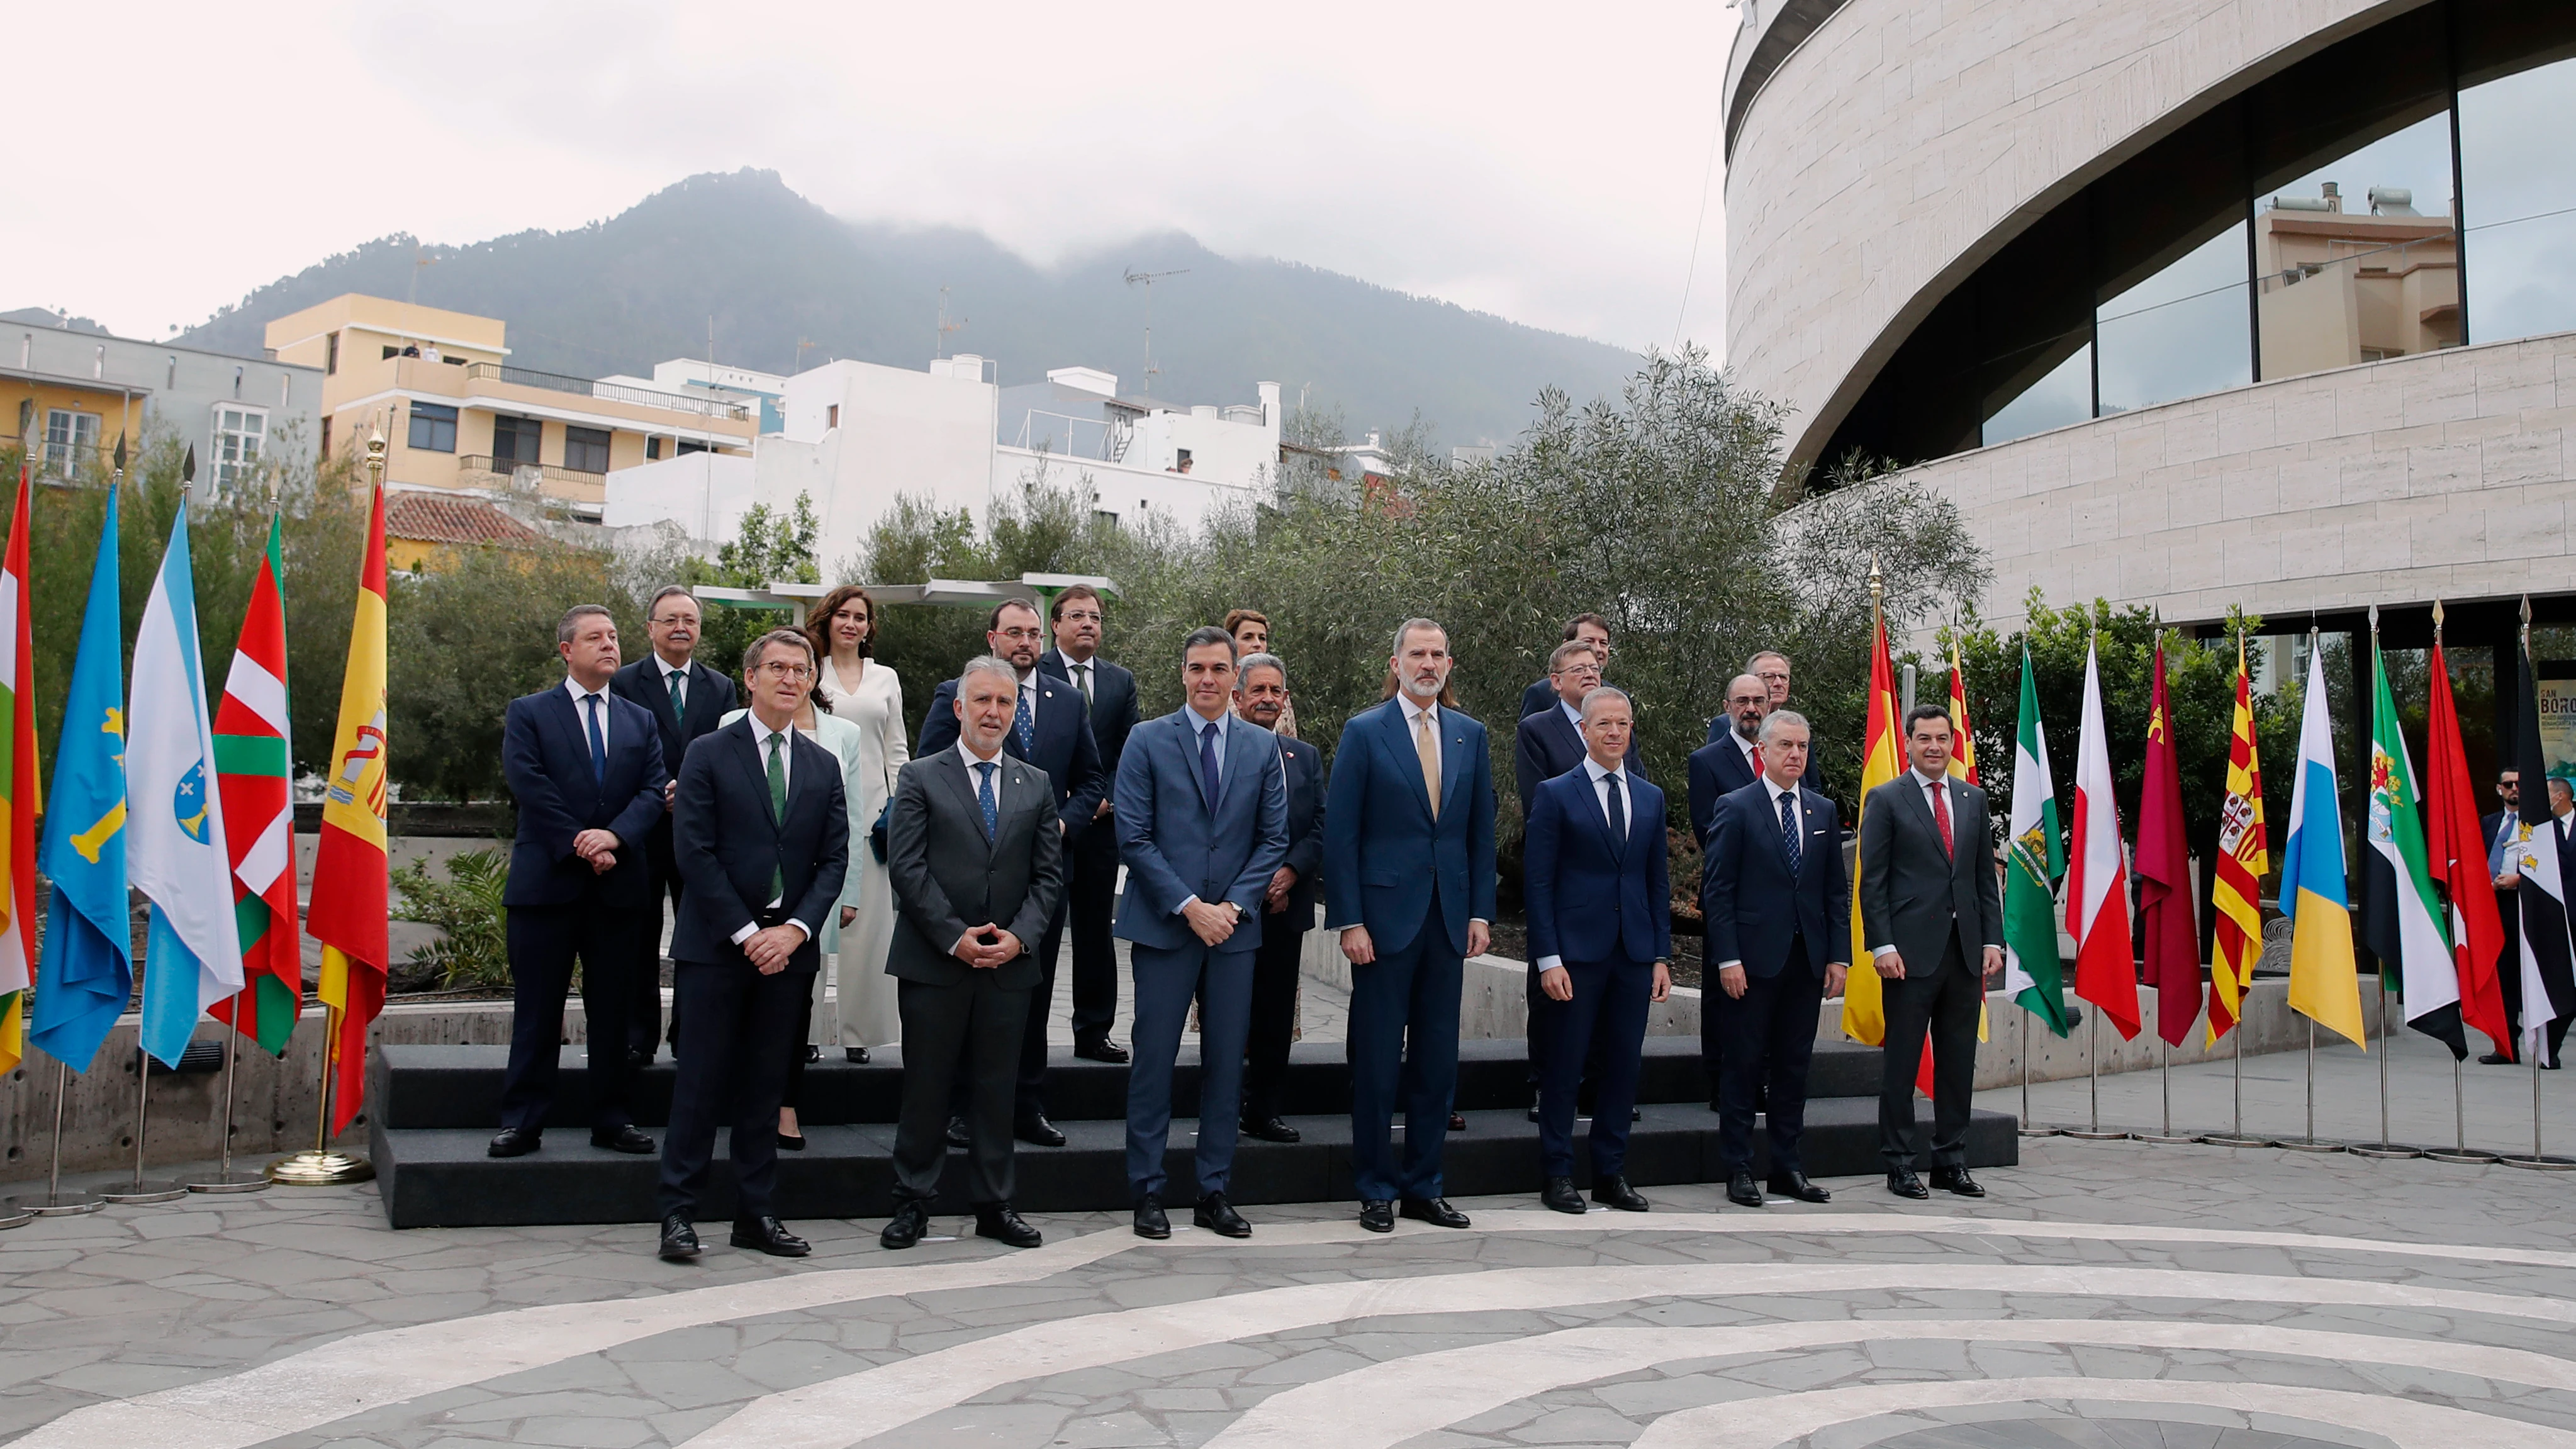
[545,757]
[1065,749]
[1717,769]
[1546,746]
[1538,696]
[1304,767]
[1590,898]
[1814,779]
[1754,910]
[710,695]
[1175,847]
[1113,705]
[1383,852]
[729,848]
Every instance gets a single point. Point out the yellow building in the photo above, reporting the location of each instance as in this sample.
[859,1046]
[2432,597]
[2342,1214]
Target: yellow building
[456,414]
[2340,287]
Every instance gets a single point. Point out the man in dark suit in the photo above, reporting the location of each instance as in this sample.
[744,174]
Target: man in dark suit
[1729,761]
[1091,858]
[1051,729]
[1409,883]
[1600,932]
[1287,904]
[1589,629]
[1778,907]
[1771,667]
[686,699]
[761,832]
[976,859]
[1930,905]
[2500,828]
[586,771]
[1202,825]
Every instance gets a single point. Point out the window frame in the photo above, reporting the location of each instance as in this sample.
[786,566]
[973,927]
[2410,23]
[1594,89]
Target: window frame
[228,471]
[437,416]
[587,439]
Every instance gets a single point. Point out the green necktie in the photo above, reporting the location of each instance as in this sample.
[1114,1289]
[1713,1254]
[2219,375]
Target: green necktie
[777,807]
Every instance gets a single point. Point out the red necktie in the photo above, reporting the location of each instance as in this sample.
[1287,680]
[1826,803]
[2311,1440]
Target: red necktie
[1757,758]
[1941,820]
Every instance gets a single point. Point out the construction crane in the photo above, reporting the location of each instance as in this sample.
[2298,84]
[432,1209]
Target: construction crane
[1147,280]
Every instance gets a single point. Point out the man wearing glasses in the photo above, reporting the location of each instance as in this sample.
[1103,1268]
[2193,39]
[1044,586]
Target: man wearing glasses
[1051,729]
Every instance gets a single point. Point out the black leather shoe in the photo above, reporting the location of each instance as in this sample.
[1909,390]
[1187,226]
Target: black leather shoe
[1741,1191]
[513,1142]
[1434,1210]
[1006,1227]
[2494,1059]
[1904,1183]
[769,1235]
[1614,1192]
[791,1141]
[2549,1066]
[1218,1216]
[1956,1180]
[1037,1131]
[639,1057]
[679,1239]
[911,1219]
[629,1139]
[855,1056]
[1533,1113]
[1795,1184]
[1377,1215]
[1151,1220]
[1268,1129]
[1457,1121]
[959,1136]
[1559,1196]
[813,1053]
[1101,1050]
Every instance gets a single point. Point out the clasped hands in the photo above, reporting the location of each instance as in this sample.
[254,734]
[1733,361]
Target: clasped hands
[982,954]
[770,947]
[598,848]
[1213,924]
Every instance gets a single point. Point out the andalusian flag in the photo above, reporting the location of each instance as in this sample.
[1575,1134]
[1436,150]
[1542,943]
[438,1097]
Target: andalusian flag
[2324,985]
[253,770]
[2097,878]
[349,885]
[2032,971]
[2244,858]
[18,779]
[1864,1007]
[2401,917]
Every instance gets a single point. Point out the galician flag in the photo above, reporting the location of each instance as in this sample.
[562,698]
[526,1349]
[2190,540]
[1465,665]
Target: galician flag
[175,831]
[2097,879]
[349,875]
[2402,918]
[2324,986]
[2032,972]
[88,970]
[252,770]
[2244,858]
[1864,1004]
[18,780]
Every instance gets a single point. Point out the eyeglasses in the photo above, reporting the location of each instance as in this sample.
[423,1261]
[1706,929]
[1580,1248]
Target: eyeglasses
[1025,635]
[775,670]
[1081,616]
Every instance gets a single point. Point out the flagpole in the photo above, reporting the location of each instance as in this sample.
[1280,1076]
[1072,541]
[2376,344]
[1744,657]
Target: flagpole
[2164,1081]
[2534,1043]
[225,1179]
[2310,1142]
[2460,1128]
[57,1203]
[322,1165]
[2093,1082]
[2385,1149]
[143,1189]
[2027,1130]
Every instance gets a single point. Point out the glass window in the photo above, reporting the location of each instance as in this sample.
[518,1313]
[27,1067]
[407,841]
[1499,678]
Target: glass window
[240,433]
[2518,183]
[433,427]
[2357,260]
[2180,332]
[71,438]
[2062,395]
[586,450]
[515,442]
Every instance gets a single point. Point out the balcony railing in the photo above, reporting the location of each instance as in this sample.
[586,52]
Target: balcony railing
[506,471]
[709,407]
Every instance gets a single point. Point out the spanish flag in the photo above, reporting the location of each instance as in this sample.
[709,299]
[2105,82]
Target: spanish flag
[1864,1009]
[348,912]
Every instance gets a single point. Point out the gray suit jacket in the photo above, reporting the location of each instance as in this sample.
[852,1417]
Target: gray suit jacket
[1912,892]
[948,875]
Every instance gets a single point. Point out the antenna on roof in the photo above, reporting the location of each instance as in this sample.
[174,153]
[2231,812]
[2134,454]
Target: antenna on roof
[940,347]
[1148,279]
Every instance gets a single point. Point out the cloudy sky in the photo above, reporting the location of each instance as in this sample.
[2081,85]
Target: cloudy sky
[1543,162]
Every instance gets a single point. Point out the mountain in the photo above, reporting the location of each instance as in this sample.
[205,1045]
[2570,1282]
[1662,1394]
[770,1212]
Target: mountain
[775,271]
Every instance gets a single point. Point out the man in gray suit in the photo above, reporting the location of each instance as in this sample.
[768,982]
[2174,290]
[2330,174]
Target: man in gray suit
[977,866]
[1929,903]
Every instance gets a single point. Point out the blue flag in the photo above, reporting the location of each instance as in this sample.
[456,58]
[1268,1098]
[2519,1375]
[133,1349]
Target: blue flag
[88,968]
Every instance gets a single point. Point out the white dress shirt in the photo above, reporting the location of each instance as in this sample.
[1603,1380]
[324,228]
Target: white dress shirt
[1932,785]
[581,712]
[1797,822]
[675,683]
[1601,798]
[1573,715]
[1029,697]
[1413,717]
[1749,749]
[761,735]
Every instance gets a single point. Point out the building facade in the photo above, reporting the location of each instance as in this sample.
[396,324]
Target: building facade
[73,393]
[456,414]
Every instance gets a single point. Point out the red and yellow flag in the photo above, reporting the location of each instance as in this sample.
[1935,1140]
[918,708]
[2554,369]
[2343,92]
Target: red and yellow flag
[1864,1008]
[2244,858]
[18,777]
[348,912]
[1963,755]
[253,773]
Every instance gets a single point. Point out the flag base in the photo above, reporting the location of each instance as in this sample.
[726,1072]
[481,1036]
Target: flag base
[13,1216]
[58,1204]
[143,1190]
[2311,1144]
[2160,1137]
[2384,1151]
[230,1182]
[2043,1131]
[320,1167]
[2474,1156]
[2090,1134]
[2224,1139]
[2539,1162]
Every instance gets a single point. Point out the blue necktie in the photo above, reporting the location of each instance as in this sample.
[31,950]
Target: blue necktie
[1024,725]
[598,743]
[984,797]
[1789,830]
[1207,764]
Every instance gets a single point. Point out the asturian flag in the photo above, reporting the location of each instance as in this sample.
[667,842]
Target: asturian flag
[175,849]
[87,971]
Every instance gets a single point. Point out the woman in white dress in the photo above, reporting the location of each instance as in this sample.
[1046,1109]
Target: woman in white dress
[869,696]
[841,737]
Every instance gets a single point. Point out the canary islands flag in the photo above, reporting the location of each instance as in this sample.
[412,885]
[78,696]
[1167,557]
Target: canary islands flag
[88,968]
[2324,986]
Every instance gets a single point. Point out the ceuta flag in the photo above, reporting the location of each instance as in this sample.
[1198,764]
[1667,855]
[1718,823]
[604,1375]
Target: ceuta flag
[252,774]
[2455,847]
[349,876]
[1864,1004]
[2164,876]
[2097,880]
[18,778]
[2244,858]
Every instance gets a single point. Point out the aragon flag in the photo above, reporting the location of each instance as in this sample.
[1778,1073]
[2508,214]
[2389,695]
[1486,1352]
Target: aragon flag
[349,875]
[2244,858]
[2455,849]
[18,779]
[2401,918]
[1864,1004]
[2032,971]
[2097,879]
[2172,936]
[253,769]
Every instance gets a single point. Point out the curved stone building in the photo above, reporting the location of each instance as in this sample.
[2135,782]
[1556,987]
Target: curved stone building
[2189,303]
